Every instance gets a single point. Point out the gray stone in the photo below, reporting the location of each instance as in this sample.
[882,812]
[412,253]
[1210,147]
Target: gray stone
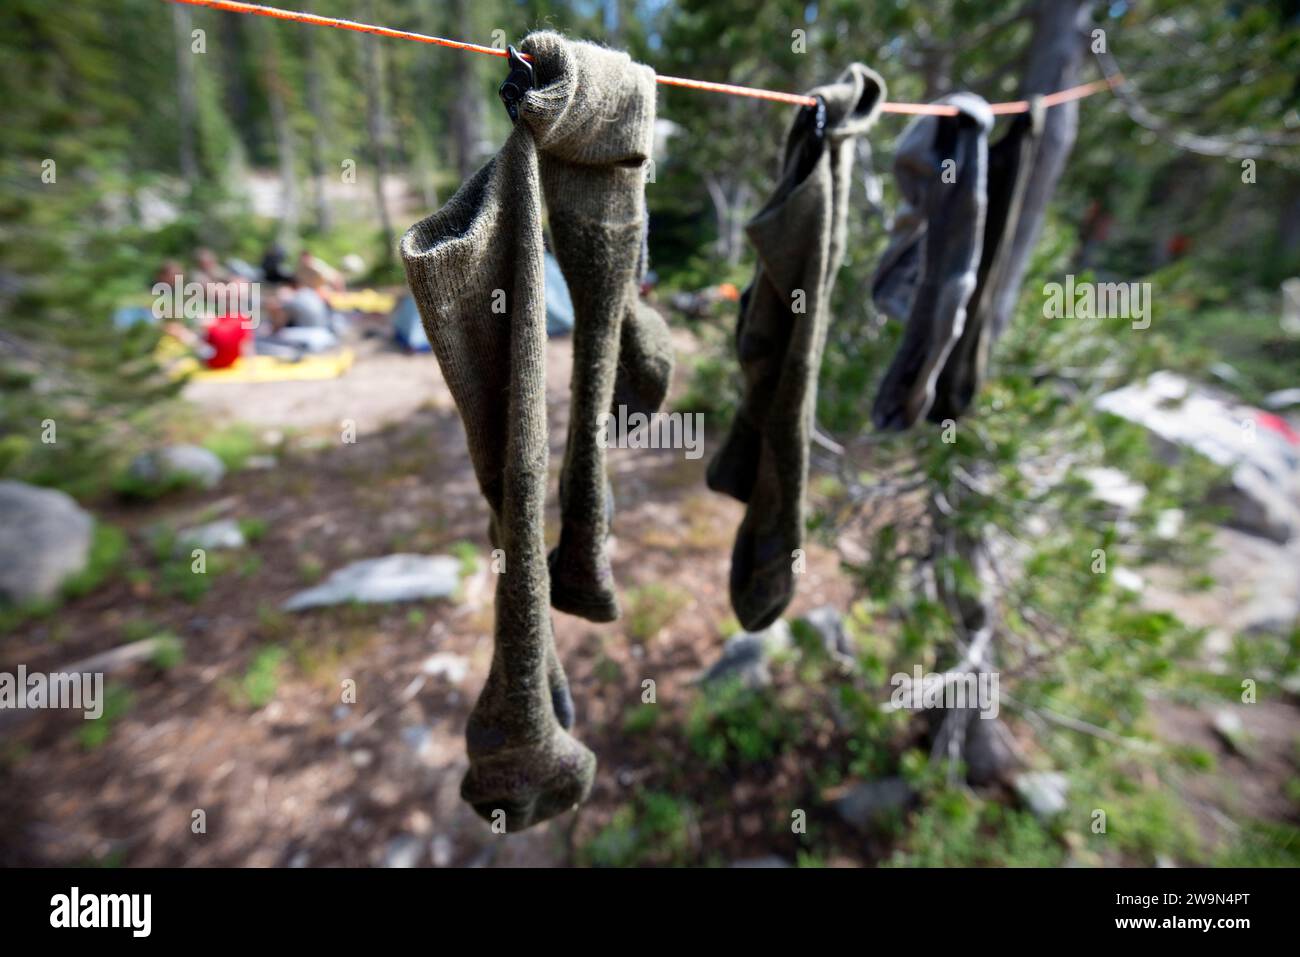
[392,578]
[829,625]
[771,860]
[179,464]
[1114,488]
[1282,399]
[403,851]
[441,849]
[223,533]
[261,462]
[452,666]
[1263,491]
[745,656]
[1043,792]
[867,805]
[45,539]
[1229,726]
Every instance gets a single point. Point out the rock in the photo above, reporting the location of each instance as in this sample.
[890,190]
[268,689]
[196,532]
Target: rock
[1128,580]
[829,625]
[1282,399]
[261,462]
[1229,726]
[867,805]
[453,667]
[417,737]
[403,851]
[989,758]
[1116,489]
[177,465]
[223,533]
[441,850]
[1260,450]
[1256,591]
[746,654]
[771,860]
[45,539]
[392,578]
[1043,792]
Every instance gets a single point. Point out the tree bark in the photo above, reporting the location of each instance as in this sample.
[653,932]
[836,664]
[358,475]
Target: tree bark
[1056,51]
[467,106]
[320,125]
[187,104]
[285,147]
[377,126]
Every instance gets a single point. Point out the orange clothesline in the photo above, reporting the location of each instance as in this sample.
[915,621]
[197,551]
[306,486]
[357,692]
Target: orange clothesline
[796,99]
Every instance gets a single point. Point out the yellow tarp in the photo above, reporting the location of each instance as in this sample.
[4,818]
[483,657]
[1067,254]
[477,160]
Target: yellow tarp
[329,365]
[363,300]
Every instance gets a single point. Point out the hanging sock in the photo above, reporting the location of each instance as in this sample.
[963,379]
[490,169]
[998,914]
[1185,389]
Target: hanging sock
[799,237]
[1011,160]
[599,111]
[928,270]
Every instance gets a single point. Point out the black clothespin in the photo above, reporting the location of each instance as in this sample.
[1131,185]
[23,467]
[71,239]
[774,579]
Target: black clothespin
[517,82]
[813,119]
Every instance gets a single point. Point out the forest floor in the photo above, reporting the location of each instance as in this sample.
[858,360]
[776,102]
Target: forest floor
[249,726]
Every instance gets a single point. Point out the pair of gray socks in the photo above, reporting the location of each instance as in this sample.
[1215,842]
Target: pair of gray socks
[948,256]
[475,269]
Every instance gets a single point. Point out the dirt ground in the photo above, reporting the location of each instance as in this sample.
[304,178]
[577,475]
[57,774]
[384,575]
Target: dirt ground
[307,780]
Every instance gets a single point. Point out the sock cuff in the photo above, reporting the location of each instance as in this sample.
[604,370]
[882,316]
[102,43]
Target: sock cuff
[589,105]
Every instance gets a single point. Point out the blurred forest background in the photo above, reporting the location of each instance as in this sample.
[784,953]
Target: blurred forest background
[1123,693]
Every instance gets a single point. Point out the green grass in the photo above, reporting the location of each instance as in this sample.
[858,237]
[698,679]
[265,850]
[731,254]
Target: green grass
[650,608]
[653,830]
[260,682]
[234,444]
[118,700]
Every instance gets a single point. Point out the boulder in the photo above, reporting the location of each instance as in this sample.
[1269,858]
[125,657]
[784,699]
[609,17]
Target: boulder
[1043,792]
[177,465]
[223,533]
[393,578]
[45,539]
[746,654]
[869,804]
[1259,449]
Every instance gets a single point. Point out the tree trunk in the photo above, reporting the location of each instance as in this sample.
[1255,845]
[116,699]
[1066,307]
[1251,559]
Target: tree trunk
[187,103]
[467,108]
[320,125]
[285,148]
[377,126]
[1056,51]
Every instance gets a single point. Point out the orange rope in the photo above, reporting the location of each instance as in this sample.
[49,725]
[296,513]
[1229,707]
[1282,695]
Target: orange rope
[796,99]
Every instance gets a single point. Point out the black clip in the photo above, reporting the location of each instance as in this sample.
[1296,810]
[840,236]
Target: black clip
[518,82]
[813,119]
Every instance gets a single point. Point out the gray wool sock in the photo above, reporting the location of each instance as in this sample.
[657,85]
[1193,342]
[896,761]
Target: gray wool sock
[1011,160]
[799,237]
[597,109]
[487,241]
[928,270]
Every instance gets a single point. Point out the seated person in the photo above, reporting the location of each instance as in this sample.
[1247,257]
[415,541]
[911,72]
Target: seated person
[319,275]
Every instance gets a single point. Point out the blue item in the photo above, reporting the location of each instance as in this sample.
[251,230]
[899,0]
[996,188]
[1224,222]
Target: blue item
[408,330]
[559,305]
